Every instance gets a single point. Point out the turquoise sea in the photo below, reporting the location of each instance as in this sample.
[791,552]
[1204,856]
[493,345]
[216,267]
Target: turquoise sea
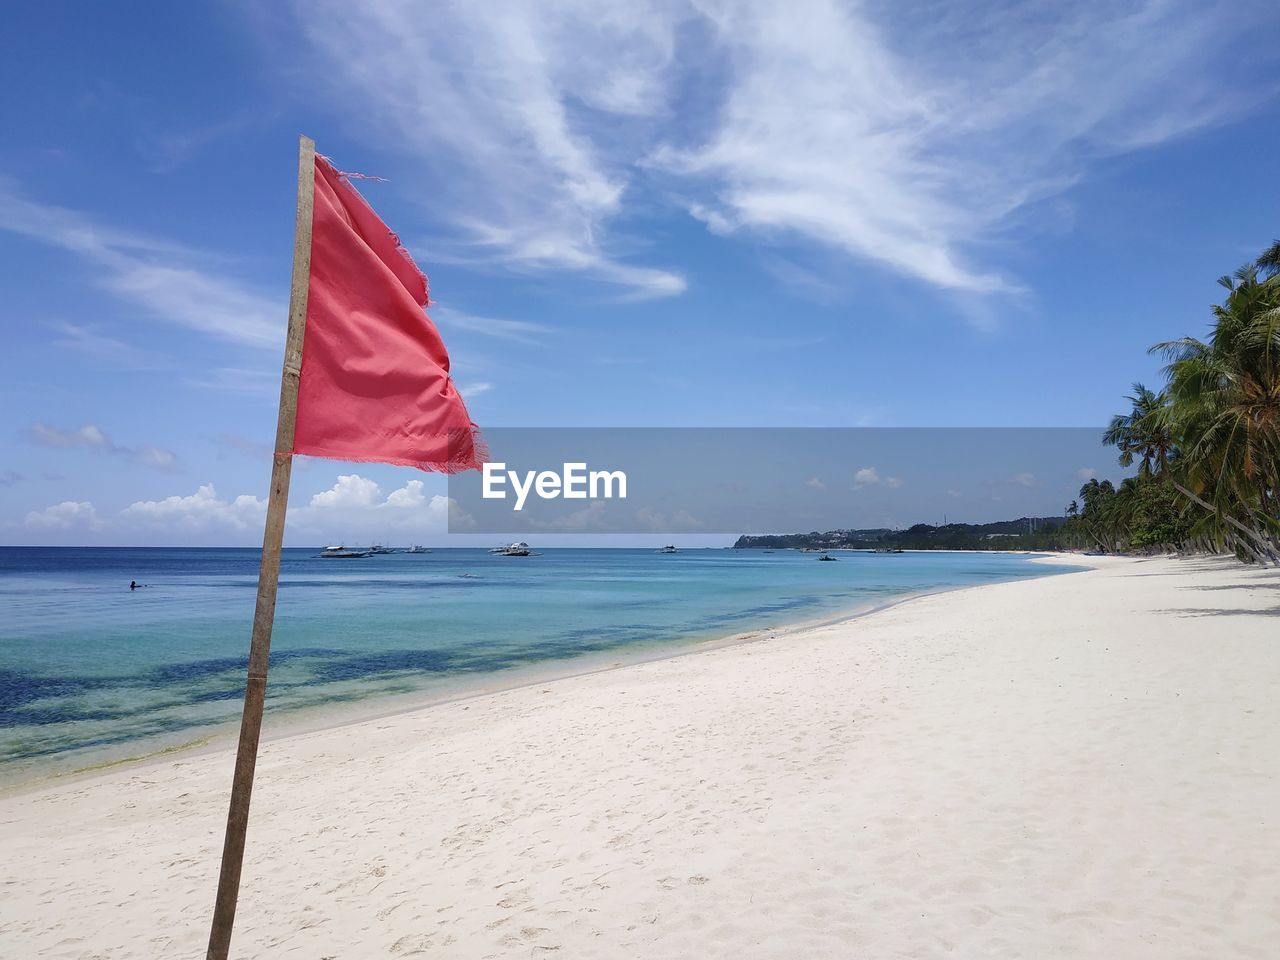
[91,672]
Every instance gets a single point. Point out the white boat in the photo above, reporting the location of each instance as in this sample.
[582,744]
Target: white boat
[379,548]
[417,549]
[339,552]
[669,548]
[518,549]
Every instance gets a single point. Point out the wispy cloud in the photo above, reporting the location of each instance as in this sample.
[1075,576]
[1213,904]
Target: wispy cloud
[497,94]
[261,382]
[905,144]
[164,279]
[117,353]
[907,135]
[870,477]
[167,151]
[523,331]
[92,437]
[253,449]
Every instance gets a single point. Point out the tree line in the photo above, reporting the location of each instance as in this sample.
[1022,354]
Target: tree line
[1207,443]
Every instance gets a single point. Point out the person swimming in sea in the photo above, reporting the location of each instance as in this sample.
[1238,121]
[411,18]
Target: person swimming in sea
[134,584]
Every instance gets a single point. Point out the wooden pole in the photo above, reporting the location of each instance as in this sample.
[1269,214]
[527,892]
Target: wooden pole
[255,692]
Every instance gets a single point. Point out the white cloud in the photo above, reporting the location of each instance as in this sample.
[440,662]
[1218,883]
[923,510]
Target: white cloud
[469,390]
[65,516]
[92,437]
[355,508]
[870,477]
[1027,480]
[408,496]
[200,511]
[160,277]
[1086,474]
[350,490]
[909,135]
[815,483]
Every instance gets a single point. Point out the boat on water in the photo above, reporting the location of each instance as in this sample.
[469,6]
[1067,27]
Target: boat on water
[827,556]
[669,548]
[417,549]
[518,549]
[379,548]
[340,552]
[889,550]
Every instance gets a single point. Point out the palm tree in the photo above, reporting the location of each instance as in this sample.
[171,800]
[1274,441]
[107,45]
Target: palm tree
[1222,403]
[1269,260]
[1097,519]
[1212,433]
[1143,431]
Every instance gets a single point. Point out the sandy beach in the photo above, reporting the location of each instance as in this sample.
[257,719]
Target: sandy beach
[1078,766]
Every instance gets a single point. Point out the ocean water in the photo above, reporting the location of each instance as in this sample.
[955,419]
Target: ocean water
[92,673]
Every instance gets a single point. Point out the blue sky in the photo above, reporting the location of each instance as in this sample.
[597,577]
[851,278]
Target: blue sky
[642,214]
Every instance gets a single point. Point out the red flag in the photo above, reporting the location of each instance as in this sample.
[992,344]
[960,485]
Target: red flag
[375,382]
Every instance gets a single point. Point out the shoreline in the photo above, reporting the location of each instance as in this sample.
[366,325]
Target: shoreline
[315,718]
[1053,767]
[312,719]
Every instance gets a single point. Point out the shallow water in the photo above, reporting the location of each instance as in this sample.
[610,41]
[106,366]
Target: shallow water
[91,671]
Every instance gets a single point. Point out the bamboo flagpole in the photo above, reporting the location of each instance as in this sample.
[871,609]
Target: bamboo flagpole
[374,386]
[224,912]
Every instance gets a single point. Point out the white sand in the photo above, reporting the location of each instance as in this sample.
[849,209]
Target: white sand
[1080,766]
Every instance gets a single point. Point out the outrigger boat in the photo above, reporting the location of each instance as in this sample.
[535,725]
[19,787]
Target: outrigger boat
[518,549]
[342,553]
[669,548]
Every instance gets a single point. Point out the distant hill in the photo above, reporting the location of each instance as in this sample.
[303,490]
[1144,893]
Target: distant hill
[1025,533]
